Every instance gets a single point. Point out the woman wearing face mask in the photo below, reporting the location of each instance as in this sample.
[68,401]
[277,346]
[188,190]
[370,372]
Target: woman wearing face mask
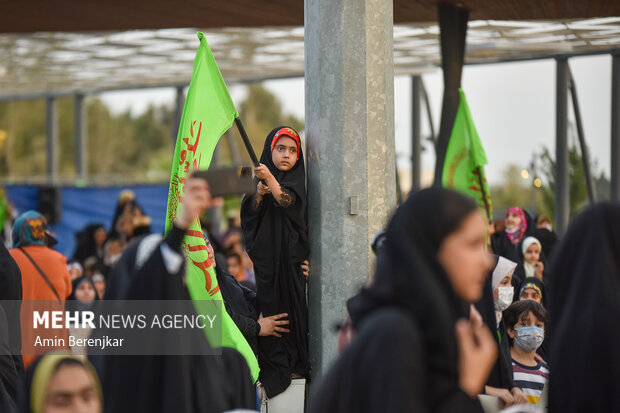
[414,351]
[497,295]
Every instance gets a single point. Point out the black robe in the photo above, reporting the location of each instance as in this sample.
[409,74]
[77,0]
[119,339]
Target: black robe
[405,357]
[276,239]
[170,383]
[240,304]
[584,298]
[11,364]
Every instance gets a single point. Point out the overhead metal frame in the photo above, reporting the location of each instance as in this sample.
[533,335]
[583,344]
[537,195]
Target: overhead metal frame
[63,63]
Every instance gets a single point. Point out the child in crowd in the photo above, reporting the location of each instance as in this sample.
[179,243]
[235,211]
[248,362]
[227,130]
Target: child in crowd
[532,289]
[275,231]
[516,227]
[99,282]
[525,324]
[75,269]
[532,263]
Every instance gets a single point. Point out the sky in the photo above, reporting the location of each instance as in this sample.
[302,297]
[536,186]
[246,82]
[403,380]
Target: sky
[512,104]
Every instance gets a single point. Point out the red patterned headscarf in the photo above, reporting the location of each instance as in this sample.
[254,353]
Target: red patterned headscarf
[516,236]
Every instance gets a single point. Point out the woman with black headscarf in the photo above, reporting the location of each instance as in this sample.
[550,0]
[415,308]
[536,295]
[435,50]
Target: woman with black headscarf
[275,231]
[584,299]
[413,351]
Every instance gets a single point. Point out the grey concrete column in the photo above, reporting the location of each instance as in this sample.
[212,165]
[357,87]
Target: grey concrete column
[179,102]
[81,152]
[416,146]
[562,196]
[615,128]
[51,133]
[350,153]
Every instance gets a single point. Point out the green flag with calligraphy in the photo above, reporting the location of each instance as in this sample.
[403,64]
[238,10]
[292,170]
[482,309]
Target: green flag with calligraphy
[463,168]
[208,113]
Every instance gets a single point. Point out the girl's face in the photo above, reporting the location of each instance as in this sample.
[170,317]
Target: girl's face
[505,282]
[532,254]
[530,294]
[526,320]
[71,389]
[463,256]
[85,293]
[284,154]
[512,221]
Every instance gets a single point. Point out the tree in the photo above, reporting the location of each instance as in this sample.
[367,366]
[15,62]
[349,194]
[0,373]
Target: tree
[121,147]
[515,191]
[578,198]
[260,112]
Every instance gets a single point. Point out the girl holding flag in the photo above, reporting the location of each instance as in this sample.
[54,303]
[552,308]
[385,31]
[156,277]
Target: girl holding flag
[274,223]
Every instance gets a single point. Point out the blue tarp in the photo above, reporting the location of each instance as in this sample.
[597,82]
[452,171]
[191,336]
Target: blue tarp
[83,206]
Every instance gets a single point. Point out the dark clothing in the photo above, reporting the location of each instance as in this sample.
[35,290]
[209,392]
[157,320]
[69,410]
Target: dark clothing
[501,245]
[9,375]
[405,356]
[167,383]
[584,298]
[240,303]
[276,239]
[11,364]
[385,370]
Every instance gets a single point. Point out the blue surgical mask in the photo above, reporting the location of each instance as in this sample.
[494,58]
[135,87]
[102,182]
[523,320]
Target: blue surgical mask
[529,338]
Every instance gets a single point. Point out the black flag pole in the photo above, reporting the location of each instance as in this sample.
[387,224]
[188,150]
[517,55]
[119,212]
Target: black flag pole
[246,141]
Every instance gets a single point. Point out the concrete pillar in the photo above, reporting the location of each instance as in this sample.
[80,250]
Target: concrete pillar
[51,133]
[615,128]
[562,196]
[81,153]
[350,153]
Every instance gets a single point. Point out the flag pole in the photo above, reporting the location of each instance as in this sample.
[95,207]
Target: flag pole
[484,194]
[246,141]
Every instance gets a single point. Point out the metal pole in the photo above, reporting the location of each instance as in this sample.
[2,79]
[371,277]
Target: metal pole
[615,128]
[429,114]
[81,154]
[585,158]
[562,196]
[453,25]
[416,146]
[51,133]
[178,112]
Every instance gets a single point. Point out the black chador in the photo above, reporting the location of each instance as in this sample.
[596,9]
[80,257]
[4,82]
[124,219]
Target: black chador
[276,238]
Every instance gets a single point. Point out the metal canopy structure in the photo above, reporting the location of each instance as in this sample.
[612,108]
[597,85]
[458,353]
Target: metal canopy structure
[81,15]
[61,63]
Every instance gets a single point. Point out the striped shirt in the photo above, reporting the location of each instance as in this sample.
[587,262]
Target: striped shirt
[530,379]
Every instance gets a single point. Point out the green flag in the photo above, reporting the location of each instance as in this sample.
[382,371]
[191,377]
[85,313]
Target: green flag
[463,168]
[209,112]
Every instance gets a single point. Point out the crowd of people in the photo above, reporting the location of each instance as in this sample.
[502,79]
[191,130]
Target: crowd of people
[456,309]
